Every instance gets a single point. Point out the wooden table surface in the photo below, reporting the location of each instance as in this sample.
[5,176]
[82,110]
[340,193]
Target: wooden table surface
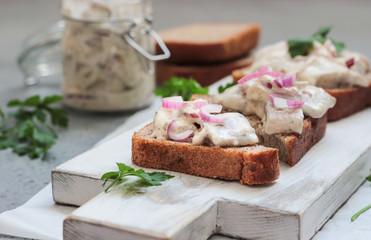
[22,178]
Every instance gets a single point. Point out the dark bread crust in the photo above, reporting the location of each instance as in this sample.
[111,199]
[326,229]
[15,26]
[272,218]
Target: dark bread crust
[209,43]
[348,100]
[205,74]
[292,147]
[250,165]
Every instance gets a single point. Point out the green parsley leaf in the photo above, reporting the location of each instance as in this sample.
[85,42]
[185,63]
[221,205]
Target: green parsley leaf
[368,178]
[51,99]
[222,88]
[303,46]
[25,130]
[14,103]
[177,86]
[322,32]
[151,179]
[32,101]
[300,46]
[59,116]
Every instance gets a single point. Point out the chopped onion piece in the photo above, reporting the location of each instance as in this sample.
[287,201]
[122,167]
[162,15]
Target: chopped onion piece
[259,74]
[178,137]
[175,103]
[211,108]
[286,81]
[265,69]
[192,115]
[200,103]
[285,100]
[350,63]
[267,85]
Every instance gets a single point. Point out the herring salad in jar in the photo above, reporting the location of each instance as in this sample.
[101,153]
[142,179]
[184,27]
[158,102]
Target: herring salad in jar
[102,71]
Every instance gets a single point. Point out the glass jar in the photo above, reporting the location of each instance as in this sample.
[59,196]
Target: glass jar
[107,50]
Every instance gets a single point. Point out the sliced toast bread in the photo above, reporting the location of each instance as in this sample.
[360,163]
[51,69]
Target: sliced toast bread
[209,42]
[250,165]
[348,100]
[291,146]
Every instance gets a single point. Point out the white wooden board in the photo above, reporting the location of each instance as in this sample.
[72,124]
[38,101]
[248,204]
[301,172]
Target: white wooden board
[188,207]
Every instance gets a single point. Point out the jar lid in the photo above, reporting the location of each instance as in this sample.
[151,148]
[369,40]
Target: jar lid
[107,10]
[41,55]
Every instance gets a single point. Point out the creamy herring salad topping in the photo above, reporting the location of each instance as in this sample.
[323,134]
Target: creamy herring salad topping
[193,122]
[279,100]
[322,67]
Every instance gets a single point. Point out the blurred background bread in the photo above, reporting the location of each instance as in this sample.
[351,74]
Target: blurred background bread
[207,52]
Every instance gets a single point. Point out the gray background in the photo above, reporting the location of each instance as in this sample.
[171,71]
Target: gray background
[22,178]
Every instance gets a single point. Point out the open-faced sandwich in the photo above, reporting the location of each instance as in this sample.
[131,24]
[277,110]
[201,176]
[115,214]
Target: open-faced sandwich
[193,137]
[286,114]
[321,62]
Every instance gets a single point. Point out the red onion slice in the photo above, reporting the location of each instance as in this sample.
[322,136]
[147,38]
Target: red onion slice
[268,85]
[199,104]
[350,63]
[259,74]
[178,137]
[285,100]
[265,69]
[211,108]
[175,103]
[286,81]
[192,115]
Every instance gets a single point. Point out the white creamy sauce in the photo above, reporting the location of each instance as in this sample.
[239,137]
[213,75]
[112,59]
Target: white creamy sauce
[320,68]
[317,101]
[252,97]
[234,131]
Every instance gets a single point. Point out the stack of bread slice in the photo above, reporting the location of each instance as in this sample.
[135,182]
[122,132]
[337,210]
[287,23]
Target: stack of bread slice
[207,52]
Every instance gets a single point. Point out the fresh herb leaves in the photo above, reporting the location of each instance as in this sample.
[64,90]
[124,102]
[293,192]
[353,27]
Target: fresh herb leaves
[177,86]
[303,46]
[152,179]
[300,46]
[368,178]
[222,88]
[26,131]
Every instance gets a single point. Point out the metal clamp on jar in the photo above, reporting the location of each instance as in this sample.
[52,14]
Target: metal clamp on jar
[107,54]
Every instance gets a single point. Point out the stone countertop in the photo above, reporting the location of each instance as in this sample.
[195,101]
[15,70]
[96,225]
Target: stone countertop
[280,20]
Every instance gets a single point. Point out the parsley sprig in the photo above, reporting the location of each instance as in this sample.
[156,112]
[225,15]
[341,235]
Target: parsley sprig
[151,179]
[222,88]
[178,86]
[363,209]
[303,46]
[25,130]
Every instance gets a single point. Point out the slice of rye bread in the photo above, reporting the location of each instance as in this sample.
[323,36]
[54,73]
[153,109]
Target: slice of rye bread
[348,100]
[250,165]
[209,42]
[291,146]
[205,74]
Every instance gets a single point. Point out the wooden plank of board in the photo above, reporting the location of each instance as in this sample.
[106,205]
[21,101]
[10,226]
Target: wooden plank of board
[188,207]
